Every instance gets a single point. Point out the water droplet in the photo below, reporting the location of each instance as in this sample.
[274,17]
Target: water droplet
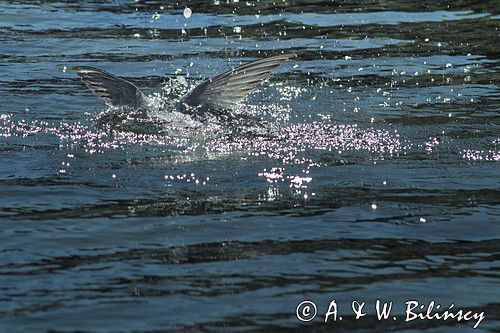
[187,12]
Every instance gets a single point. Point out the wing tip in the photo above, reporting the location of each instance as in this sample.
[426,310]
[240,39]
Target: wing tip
[290,55]
[81,68]
[84,70]
[286,56]
[279,58]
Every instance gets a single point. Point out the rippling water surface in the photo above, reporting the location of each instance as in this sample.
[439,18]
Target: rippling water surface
[365,168]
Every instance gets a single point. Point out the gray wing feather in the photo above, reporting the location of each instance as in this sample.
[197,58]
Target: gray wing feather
[228,89]
[113,90]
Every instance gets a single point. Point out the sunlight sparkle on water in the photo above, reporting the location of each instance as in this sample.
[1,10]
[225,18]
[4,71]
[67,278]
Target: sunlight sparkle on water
[280,140]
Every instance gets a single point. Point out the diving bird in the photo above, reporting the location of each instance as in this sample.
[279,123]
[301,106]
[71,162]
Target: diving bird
[222,92]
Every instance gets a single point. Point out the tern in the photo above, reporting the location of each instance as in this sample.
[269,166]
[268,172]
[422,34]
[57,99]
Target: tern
[222,92]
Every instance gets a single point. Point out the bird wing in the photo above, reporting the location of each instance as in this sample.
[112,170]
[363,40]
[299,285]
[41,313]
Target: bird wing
[113,90]
[228,89]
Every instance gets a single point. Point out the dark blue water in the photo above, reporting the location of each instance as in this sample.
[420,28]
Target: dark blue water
[372,174]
